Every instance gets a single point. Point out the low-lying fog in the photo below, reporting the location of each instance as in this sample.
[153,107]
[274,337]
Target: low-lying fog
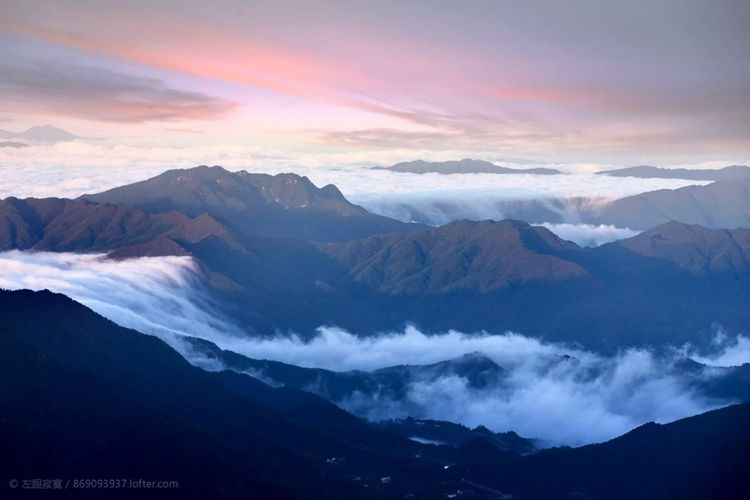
[558,393]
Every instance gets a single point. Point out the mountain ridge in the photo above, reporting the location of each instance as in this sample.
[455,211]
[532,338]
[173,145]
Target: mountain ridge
[58,224]
[695,248]
[41,133]
[719,205]
[276,206]
[732,172]
[469,276]
[228,435]
[464,166]
[426,260]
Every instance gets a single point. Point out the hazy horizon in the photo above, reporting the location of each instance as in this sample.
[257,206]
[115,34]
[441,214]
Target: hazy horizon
[347,84]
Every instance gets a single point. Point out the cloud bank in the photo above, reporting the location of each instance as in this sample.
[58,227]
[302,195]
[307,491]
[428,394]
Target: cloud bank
[161,296]
[560,394]
[35,82]
[432,198]
[553,201]
[589,235]
[552,392]
[723,350]
[573,87]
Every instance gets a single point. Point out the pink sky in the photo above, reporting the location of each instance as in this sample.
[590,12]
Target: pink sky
[552,82]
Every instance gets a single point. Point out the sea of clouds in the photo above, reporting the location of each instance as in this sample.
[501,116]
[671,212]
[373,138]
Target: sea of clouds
[434,199]
[370,187]
[557,393]
[431,198]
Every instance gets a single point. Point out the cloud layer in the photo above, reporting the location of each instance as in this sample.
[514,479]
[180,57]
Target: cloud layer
[101,94]
[36,171]
[571,401]
[161,296]
[552,392]
[723,350]
[589,235]
[560,394]
[624,81]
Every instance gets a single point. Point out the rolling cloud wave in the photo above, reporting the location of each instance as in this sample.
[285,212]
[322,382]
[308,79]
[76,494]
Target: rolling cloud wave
[161,296]
[560,394]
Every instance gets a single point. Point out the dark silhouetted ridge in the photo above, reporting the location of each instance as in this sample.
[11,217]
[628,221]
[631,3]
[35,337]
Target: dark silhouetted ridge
[84,398]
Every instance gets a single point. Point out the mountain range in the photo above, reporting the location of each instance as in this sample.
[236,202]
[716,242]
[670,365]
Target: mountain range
[79,384]
[335,386]
[297,266]
[465,166]
[278,206]
[376,387]
[722,204]
[448,433]
[40,133]
[88,398]
[733,172]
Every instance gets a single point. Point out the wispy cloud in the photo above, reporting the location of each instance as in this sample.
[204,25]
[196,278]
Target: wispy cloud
[100,94]
[387,137]
[723,350]
[588,83]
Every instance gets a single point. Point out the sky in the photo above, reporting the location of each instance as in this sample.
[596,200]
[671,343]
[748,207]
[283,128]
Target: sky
[342,83]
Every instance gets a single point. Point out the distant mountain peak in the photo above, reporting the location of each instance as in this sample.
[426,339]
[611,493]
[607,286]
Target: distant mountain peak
[731,172]
[215,186]
[471,361]
[695,248]
[463,166]
[720,204]
[464,255]
[284,205]
[40,133]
